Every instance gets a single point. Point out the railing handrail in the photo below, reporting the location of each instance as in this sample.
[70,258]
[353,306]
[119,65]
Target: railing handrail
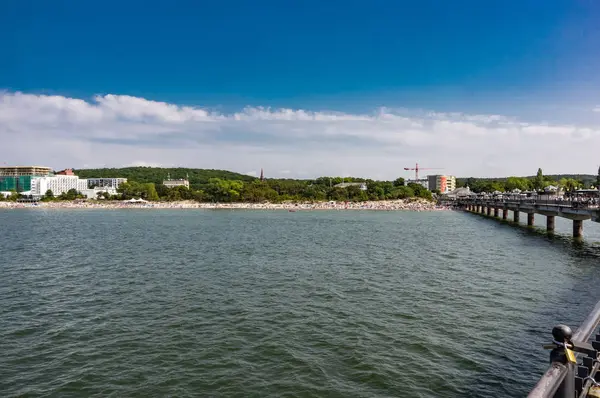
[588,325]
[575,204]
[551,381]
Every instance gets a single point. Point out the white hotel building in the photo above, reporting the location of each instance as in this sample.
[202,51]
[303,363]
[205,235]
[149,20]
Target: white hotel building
[106,182]
[57,184]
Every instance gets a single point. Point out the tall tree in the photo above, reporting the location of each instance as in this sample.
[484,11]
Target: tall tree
[538,182]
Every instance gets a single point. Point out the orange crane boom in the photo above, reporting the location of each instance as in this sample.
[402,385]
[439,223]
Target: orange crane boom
[417,168]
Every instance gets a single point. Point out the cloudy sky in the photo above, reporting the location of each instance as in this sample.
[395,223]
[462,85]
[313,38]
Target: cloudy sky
[353,89]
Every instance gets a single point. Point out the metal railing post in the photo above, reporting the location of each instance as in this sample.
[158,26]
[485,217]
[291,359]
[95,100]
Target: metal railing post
[563,334]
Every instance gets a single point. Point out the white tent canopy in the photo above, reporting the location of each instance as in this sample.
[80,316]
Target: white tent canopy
[134,200]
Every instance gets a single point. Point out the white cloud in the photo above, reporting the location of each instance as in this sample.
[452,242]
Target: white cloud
[596,109]
[118,130]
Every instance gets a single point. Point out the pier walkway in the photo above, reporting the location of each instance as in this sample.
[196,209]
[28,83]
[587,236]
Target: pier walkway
[576,210]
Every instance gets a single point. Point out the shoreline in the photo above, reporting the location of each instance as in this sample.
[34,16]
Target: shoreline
[383,205]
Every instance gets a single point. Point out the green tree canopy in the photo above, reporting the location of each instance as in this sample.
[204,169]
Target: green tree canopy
[134,190]
[569,184]
[14,196]
[224,190]
[398,182]
[520,183]
[71,194]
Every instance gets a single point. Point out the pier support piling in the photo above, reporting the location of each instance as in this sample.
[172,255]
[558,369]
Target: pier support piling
[577,212]
[550,223]
[577,228]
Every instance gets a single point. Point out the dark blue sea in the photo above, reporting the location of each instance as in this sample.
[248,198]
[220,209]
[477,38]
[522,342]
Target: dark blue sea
[200,303]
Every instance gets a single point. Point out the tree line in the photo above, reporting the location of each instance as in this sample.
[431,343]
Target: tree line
[277,190]
[225,186]
[49,196]
[255,191]
[566,182]
[207,185]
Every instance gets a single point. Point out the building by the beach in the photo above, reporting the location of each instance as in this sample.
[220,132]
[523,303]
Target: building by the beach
[65,172]
[361,185]
[18,178]
[424,182]
[19,171]
[181,182]
[106,182]
[58,184]
[459,193]
[35,181]
[442,183]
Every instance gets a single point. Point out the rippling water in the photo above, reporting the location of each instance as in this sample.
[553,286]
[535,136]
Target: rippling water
[140,303]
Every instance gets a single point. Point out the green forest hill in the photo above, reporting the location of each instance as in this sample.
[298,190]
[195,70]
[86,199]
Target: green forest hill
[226,186]
[157,175]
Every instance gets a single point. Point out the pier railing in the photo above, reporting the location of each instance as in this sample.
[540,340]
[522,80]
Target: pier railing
[576,204]
[574,363]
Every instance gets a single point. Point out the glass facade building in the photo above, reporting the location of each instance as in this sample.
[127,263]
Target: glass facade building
[19,184]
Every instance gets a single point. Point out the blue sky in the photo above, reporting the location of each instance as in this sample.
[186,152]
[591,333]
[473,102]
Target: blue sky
[538,62]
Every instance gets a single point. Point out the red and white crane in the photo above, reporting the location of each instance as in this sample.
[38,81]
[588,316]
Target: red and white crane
[417,168]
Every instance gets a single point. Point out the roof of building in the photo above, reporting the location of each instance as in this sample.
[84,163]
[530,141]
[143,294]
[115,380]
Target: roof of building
[25,167]
[67,172]
[461,192]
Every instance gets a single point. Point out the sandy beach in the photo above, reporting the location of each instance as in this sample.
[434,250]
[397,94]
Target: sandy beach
[387,205]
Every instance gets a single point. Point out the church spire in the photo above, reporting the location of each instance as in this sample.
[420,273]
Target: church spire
[262,175]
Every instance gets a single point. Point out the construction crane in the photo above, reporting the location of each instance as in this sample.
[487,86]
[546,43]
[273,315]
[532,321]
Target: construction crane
[417,168]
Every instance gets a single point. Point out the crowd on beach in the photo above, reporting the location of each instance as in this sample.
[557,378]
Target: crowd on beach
[386,205]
